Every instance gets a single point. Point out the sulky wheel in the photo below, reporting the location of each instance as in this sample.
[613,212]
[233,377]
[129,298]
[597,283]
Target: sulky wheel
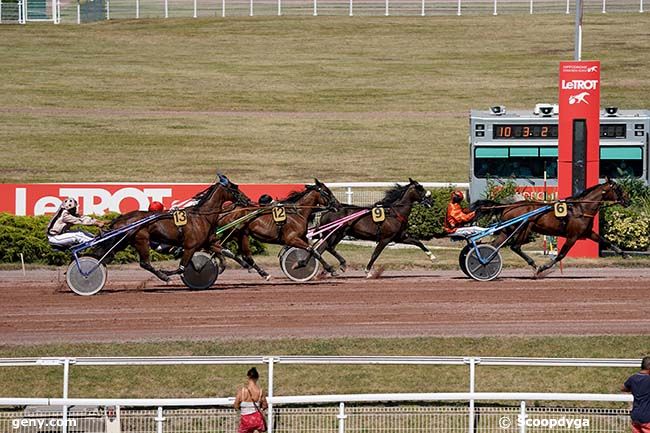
[462,257]
[289,259]
[480,271]
[201,272]
[86,276]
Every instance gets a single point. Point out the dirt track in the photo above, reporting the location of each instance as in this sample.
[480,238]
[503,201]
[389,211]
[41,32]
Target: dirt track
[135,307]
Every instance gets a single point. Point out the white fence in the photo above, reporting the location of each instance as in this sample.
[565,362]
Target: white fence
[464,419]
[129,9]
[368,193]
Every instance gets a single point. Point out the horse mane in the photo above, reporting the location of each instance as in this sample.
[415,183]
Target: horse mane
[240,198]
[294,196]
[204,195]
[586,191]
[392,195]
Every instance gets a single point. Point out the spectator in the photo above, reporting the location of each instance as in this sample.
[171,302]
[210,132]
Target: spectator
[639,385]
[251,400]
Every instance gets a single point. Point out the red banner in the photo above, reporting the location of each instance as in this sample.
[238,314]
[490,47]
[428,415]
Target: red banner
[99,198]
[579,136]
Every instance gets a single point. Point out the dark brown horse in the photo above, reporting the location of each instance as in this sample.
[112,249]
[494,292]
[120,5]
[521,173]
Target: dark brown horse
[299,207]
[398,203]
[196,234]
[578,224]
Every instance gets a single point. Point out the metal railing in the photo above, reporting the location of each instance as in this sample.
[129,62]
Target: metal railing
[130,9]
[427,415]
[367,193]
[471,397]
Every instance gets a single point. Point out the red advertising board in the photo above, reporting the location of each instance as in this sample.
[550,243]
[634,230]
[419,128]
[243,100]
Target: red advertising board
[579,136]
[99,198]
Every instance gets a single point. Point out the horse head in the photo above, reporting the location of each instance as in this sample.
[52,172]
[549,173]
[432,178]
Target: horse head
[330,200]
[422,196]
[613,191]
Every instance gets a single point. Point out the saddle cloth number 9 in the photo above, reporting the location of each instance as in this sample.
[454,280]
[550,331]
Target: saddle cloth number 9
[180,218]
[378,214]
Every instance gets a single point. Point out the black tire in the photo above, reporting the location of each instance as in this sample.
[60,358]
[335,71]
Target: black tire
[86,276]
[480,271]
[201,272]
[462,257]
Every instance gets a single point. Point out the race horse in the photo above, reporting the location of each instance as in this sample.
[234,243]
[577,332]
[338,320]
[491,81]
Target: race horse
[577,224]
[397,204]
[299,209]
[197,233]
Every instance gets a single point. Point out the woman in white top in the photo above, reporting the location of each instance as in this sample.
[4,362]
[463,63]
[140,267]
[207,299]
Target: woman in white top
[251,401]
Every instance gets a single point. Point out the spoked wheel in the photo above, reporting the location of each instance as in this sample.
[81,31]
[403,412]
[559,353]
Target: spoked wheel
[462,257]
[86,276]
[289,259]
[201,272]
[480,271]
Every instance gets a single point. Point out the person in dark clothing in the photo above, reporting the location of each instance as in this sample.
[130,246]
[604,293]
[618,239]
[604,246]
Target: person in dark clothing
[639,385]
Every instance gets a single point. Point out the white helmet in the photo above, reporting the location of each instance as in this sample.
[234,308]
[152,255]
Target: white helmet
[69,203]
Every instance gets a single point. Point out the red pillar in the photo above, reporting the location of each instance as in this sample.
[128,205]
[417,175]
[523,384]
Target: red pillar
[579,137]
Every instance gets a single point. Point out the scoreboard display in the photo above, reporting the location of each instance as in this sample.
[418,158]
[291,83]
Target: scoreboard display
[522,145]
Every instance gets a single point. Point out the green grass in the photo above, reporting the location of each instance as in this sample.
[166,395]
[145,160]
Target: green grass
[203,381]
[286,99]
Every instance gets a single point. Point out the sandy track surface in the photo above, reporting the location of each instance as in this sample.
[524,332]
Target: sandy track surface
[39,308]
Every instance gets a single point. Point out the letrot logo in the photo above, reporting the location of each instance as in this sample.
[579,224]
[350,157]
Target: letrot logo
[579,98]
[592,68]
[579,84]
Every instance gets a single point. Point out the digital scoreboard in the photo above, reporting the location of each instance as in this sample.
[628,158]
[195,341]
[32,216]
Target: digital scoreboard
[522,146]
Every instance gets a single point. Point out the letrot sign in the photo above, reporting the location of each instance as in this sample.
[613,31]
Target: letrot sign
[579,136]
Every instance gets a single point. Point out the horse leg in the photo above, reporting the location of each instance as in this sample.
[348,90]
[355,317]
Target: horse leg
[300,243]
[516,248]
[561,254]
[185,260]
[331,248]
[598,238]
[375,254]
[244,247]
[141,245]
[412,241]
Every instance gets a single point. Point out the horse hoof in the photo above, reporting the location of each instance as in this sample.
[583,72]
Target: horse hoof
[433,258]
[164,277]
[343,268]
[333,273]
[267,278]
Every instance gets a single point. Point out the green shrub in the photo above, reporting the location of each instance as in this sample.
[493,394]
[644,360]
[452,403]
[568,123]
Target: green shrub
[627,228]
[424,222]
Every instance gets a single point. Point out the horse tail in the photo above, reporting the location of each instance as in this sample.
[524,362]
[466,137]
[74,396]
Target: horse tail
[487,208]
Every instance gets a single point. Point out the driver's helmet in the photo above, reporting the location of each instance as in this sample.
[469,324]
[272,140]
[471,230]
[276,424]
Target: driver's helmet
[265,200]
[156,206]
[69,204]
[457,196]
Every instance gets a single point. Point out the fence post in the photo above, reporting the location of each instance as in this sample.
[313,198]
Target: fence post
[159,420]
[137,9]
[223,8]
[342,416]
[348,194]
[422,8]
[459,6]
[495,8]
[250,11]
[640,6]
[567,7]
[522,417]
[194,16]
[78,12]
[472,376]
[64,409]
[108,9]
[270,394]
[279,7]
[350,7]
[386,13]
[316,8]
[0,11]
[166,9]
[531,7]
[604,7]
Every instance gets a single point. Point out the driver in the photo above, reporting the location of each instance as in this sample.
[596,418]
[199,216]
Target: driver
[58,230]
[456,215]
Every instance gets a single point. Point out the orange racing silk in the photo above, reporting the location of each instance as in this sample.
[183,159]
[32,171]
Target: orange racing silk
[456,217]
